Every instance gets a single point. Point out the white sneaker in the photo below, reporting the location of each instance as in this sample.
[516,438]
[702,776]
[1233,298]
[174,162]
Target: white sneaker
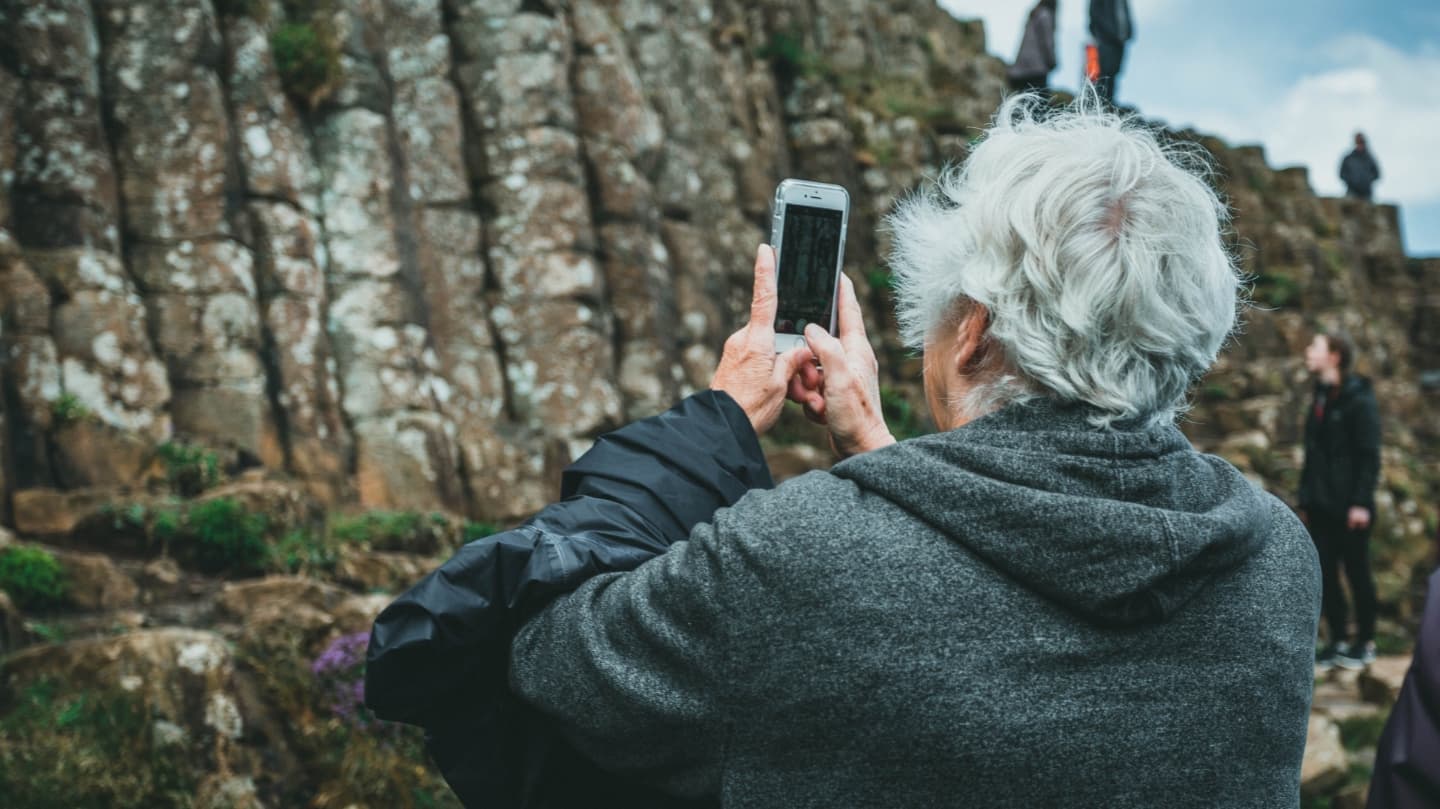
[1356,659]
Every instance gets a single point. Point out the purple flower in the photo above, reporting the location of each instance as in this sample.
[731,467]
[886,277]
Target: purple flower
[340,674]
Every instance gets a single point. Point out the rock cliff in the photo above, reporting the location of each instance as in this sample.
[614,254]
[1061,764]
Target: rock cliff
[322,288]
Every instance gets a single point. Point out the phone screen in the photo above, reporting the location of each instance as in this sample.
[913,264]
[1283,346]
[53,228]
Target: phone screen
[809,250]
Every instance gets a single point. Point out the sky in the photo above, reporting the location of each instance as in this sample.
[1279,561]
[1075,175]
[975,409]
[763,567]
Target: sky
[1300,77]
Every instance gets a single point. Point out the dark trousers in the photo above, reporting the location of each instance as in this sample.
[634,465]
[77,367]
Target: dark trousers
[1112,55]
[1338,545]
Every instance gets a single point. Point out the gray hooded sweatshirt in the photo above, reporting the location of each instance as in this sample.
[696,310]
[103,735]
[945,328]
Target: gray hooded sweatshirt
[1023,612]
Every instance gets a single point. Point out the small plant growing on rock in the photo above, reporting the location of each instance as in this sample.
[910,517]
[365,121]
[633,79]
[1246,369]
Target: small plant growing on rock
[33,577]
[89,749]
[228,536]
[302,551]
[479,530]
[189,469]
[408,531]
[68,409]
[307,55]
[789,58]
[1275,289]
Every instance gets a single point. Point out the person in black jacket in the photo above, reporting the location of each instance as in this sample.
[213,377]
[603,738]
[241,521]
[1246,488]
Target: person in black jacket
[1337,493]
[1359,171]
[1407,758]
[1112,27]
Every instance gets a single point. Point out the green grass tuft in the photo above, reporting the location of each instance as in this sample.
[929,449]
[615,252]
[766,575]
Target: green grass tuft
[33,577]
[307,57]
[1359,732]
[1275,290]
[302,551]
[189,469]
[228,536]
[89,749]
[68,409]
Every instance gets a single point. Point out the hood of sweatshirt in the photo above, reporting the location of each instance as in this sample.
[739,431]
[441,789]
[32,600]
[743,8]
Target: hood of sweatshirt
[1121,526]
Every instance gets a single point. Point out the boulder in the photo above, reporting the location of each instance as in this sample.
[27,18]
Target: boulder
[12,626]
[286,505]
[381,570]
[1380,682]
[290,615]
[181,682]
[1324,766]
[51,512]
[241,600]
[94,454]
[96,582]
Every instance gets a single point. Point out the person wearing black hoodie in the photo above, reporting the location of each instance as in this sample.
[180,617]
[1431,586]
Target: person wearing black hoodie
[1337,493]
[1359,171]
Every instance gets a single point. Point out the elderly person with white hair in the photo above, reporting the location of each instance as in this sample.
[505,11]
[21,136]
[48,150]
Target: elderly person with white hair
[1053,601]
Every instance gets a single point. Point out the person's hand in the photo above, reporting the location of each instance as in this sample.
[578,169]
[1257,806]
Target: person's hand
[750,370]
[845,395]
[1358,519]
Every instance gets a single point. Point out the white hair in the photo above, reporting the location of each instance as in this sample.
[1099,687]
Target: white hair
[1096,250]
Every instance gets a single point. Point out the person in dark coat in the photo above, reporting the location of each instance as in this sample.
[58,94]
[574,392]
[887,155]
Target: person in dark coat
[1036,59]
[1337,493]
[1359,171]
[1112,26]
[1407,758]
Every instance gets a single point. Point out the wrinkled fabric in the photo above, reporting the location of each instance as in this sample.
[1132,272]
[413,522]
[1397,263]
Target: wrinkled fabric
[1025,611]
[1110,21]
[438,653]
[1407,759]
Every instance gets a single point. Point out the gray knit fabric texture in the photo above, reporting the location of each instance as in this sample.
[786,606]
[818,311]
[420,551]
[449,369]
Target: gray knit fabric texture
[1023,612]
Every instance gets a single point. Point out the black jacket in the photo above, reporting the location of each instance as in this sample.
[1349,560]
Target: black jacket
[438,654]
[1342,448]
[1359,171]
[1110,20]
[1407,759]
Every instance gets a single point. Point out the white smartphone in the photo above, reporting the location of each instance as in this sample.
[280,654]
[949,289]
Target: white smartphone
[808,233]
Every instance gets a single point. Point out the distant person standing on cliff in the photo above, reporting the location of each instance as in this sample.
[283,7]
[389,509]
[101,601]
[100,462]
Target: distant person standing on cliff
[1337,493]
[1036,59]
[1112,27]
[1359,171]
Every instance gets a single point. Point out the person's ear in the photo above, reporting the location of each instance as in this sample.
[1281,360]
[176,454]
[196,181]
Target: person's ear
[971,339]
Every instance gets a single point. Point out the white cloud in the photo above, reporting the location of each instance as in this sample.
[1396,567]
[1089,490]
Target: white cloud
[1391,95]
[1005,24]
[1306,116]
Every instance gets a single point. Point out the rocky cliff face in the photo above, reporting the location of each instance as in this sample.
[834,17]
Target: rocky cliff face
[416,253]
[266,261]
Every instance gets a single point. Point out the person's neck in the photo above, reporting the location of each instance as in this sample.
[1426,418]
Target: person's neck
[1330,376]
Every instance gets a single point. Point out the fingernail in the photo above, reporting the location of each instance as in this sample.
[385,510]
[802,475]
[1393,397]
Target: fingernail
[760,251]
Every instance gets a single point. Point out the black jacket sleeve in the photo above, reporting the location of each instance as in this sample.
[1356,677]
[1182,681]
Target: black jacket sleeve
[1364,436]
[438,653]
[1407,759]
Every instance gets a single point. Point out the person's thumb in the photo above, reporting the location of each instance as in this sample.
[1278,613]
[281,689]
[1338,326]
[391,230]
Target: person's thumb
[826,348]
[789,363]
